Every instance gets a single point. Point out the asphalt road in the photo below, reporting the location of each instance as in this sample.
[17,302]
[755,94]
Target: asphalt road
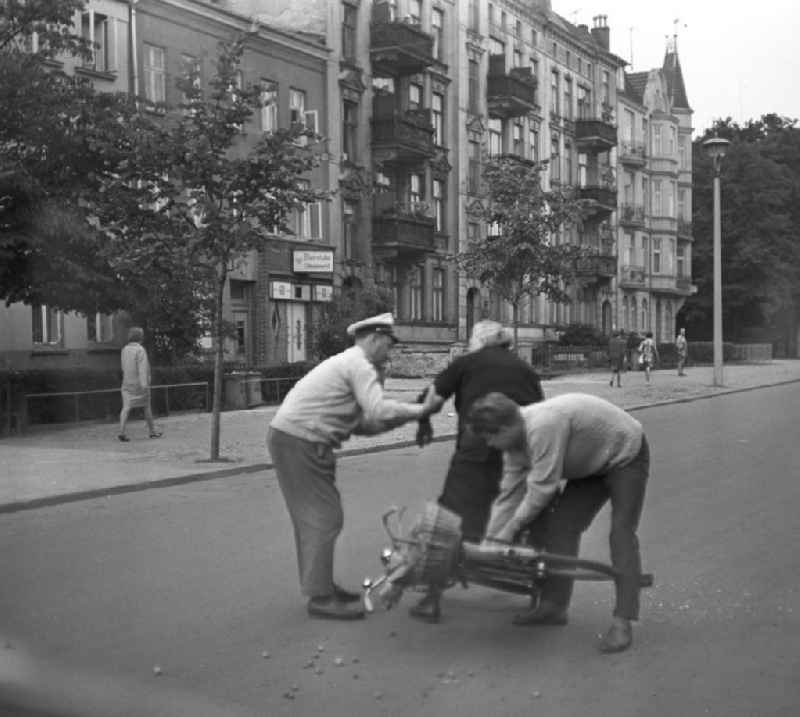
[197,583]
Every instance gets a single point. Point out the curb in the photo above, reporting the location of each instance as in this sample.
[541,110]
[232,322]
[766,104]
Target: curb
[48,501]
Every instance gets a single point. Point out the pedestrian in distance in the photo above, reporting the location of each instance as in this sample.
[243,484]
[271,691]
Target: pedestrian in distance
[473,477]
[599,453]
[339,397]
[617,348]
[682,349]
[135,383]
[648,354]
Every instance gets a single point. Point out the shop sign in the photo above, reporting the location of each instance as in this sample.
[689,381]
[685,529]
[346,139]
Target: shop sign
[323,292]
[313,262]
[280,290]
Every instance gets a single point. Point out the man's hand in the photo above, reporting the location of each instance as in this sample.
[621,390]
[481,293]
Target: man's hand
[424,432]
[432,403]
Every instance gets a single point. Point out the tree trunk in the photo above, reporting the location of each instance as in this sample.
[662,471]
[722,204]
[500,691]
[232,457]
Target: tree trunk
[515,322]
[216,406]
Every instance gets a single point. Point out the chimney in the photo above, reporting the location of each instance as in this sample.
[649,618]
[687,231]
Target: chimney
[583,28]
[601,31]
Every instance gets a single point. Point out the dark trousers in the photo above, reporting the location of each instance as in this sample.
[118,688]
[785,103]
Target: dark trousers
[307,478]
[574,512]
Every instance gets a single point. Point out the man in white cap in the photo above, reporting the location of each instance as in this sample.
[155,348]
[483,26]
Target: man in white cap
[341,396]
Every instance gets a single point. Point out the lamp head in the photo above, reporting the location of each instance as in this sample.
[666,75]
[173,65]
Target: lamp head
[716,147]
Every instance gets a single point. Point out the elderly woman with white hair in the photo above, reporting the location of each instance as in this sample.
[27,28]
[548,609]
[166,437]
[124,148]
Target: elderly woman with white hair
[473,478]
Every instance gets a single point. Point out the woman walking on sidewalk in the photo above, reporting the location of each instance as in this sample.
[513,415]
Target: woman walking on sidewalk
[135,383]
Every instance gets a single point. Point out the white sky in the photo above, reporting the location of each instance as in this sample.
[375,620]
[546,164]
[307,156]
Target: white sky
[739,59]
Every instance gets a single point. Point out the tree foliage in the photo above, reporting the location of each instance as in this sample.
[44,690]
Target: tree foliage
[188,193]
[760,189]
[523,256]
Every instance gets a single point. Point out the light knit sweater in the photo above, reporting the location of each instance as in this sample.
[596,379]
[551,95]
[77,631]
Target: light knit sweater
[568,437]
[339,397]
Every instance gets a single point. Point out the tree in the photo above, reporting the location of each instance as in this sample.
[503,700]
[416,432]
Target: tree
[190,195]
[351,303]
[522,256]
[760,187]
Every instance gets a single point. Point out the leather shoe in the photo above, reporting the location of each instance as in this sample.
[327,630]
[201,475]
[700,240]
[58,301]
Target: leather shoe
[427,609]
[343,595]
[332,609]
[543,614]
[618,638]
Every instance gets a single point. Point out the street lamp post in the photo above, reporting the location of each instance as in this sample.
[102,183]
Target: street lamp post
[716,148]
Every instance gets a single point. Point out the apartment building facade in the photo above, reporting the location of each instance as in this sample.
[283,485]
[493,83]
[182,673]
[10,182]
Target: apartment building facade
[655,191]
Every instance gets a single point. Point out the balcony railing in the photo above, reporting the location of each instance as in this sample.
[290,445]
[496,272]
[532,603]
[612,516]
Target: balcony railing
[403,136]
[399,48]
[602,199]
[595,134]
[684,284]
[509,93]
[404,229]
[601,266]
[631,214]
[632,153]
[633,276]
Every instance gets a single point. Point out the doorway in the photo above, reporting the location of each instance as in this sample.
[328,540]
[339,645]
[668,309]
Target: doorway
[295,331]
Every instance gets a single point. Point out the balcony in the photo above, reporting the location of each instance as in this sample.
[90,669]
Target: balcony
[633,277]
[633,154]
[595,135]
[631,215]
[684,286]
[512,93]
[599,267]
[398,49]
[401,231]
[402,137]
[598,199]
[665,225]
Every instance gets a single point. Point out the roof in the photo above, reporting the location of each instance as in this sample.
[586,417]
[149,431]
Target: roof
[674,77]
[635,83]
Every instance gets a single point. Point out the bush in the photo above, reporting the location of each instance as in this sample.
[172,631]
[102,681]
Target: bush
[582,335]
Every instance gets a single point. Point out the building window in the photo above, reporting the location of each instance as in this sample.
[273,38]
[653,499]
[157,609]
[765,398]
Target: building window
[657,198]
[438,295]
[682,151]
[568,163]
[681,260]
[438,204]
[437,114]
[297,106]
[102,33]
[349,130]
[46,325]
[568,97]
[474,87]
[474,16]
[554,92]
[437,29]
[535,72]
[517,58]
[682,204]
[606,89]
[269,106]
[555,159]
[473,233]
[349,19]
[656,140]
[495,137]
[474,180]
[414,189]
[656,255]
[533,143]
[516,138]
[415,11]
[306,221]
[414,96]
[584,103]
[672,141]
[100,328]
[349,226]
[154,74]
[416,293]
[496,47]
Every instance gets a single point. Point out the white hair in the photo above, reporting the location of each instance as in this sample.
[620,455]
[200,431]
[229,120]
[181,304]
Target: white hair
[489,333]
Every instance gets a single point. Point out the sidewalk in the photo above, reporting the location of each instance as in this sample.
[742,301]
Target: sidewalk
[76,461]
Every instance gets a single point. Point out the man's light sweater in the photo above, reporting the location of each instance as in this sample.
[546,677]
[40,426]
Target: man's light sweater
[339,397]
[568,437]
